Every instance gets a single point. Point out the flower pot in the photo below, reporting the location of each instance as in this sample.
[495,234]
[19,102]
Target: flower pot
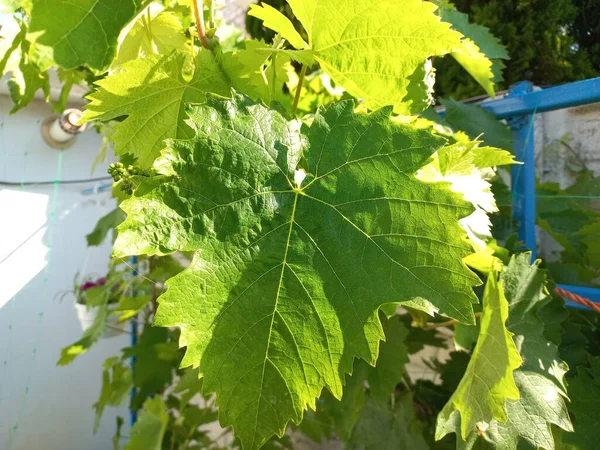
[87,315]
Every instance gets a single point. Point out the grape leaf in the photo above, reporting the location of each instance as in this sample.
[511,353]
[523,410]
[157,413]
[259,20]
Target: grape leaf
[156,357]
[383,427]
[152,93]
[479,48]
[90,336]
[148,432]
[276,21]
[584,390]
[393,356]
[105,224]
[541,377]
[153,31]
[26,78]
[372,49]
[476,121]
[488,382]
[462,165]
[86,33]
[266,296]
[116,382]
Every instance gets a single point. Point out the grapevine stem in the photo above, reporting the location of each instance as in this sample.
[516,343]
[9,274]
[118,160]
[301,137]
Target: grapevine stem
[448,323]
[211,13]
[199,15]
[299,87]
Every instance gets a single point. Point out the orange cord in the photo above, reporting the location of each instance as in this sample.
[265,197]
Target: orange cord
[578,299]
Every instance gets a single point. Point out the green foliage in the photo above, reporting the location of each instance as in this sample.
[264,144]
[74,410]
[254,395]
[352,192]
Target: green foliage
[106,224]
[488,381]
[390,428]
[148,431]
[393,51]
[584,389]
[481,49]
[270,223]
[549,42]
[116,382]
[85,35]
[281,211]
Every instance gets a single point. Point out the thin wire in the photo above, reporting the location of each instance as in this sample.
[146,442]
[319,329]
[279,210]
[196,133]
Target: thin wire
[53,182]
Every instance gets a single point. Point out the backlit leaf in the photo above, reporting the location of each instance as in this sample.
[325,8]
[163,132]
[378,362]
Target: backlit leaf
[488,382]
[82,33]
[294,257]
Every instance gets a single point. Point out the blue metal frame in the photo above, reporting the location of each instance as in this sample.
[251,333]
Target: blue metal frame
[519,108]
[133,328]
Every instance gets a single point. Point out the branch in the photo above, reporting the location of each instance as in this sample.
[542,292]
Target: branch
[299,87]
[199,14]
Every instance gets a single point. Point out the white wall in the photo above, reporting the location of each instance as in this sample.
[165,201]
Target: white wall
[43,405]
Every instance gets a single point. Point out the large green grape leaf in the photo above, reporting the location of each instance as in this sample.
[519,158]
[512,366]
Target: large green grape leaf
[488,382]
[382,427]
[148,432]
[584,390]
[284,289]
[541,377]
[82,33]
[372,48]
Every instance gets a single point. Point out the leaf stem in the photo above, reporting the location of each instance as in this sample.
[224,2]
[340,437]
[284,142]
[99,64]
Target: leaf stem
[211,13]
[199,15]
[448,323]
[299,87]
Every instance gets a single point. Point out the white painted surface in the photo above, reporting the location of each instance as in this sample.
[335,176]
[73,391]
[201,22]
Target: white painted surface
[579,128]
[50,406]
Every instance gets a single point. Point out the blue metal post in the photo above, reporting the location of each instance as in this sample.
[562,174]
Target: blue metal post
[133,328]
[523,175]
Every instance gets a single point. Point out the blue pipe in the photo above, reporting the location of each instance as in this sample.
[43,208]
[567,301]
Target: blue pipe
[133,328]
[558,97]
[523,175]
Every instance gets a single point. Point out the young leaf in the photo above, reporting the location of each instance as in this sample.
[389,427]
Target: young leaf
[152,92]
[294,261]
[86,32]
[276,21]
[153,31]
[480,48]
[488,382]
[476,121]
[104,226]
[116,383]
[372,49]
[541,377]
[149,430]
[90,337]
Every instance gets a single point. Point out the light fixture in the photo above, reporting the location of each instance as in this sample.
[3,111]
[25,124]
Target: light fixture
[60,131]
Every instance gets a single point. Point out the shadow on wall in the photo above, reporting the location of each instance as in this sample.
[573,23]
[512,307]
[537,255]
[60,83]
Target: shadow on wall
[42,247]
